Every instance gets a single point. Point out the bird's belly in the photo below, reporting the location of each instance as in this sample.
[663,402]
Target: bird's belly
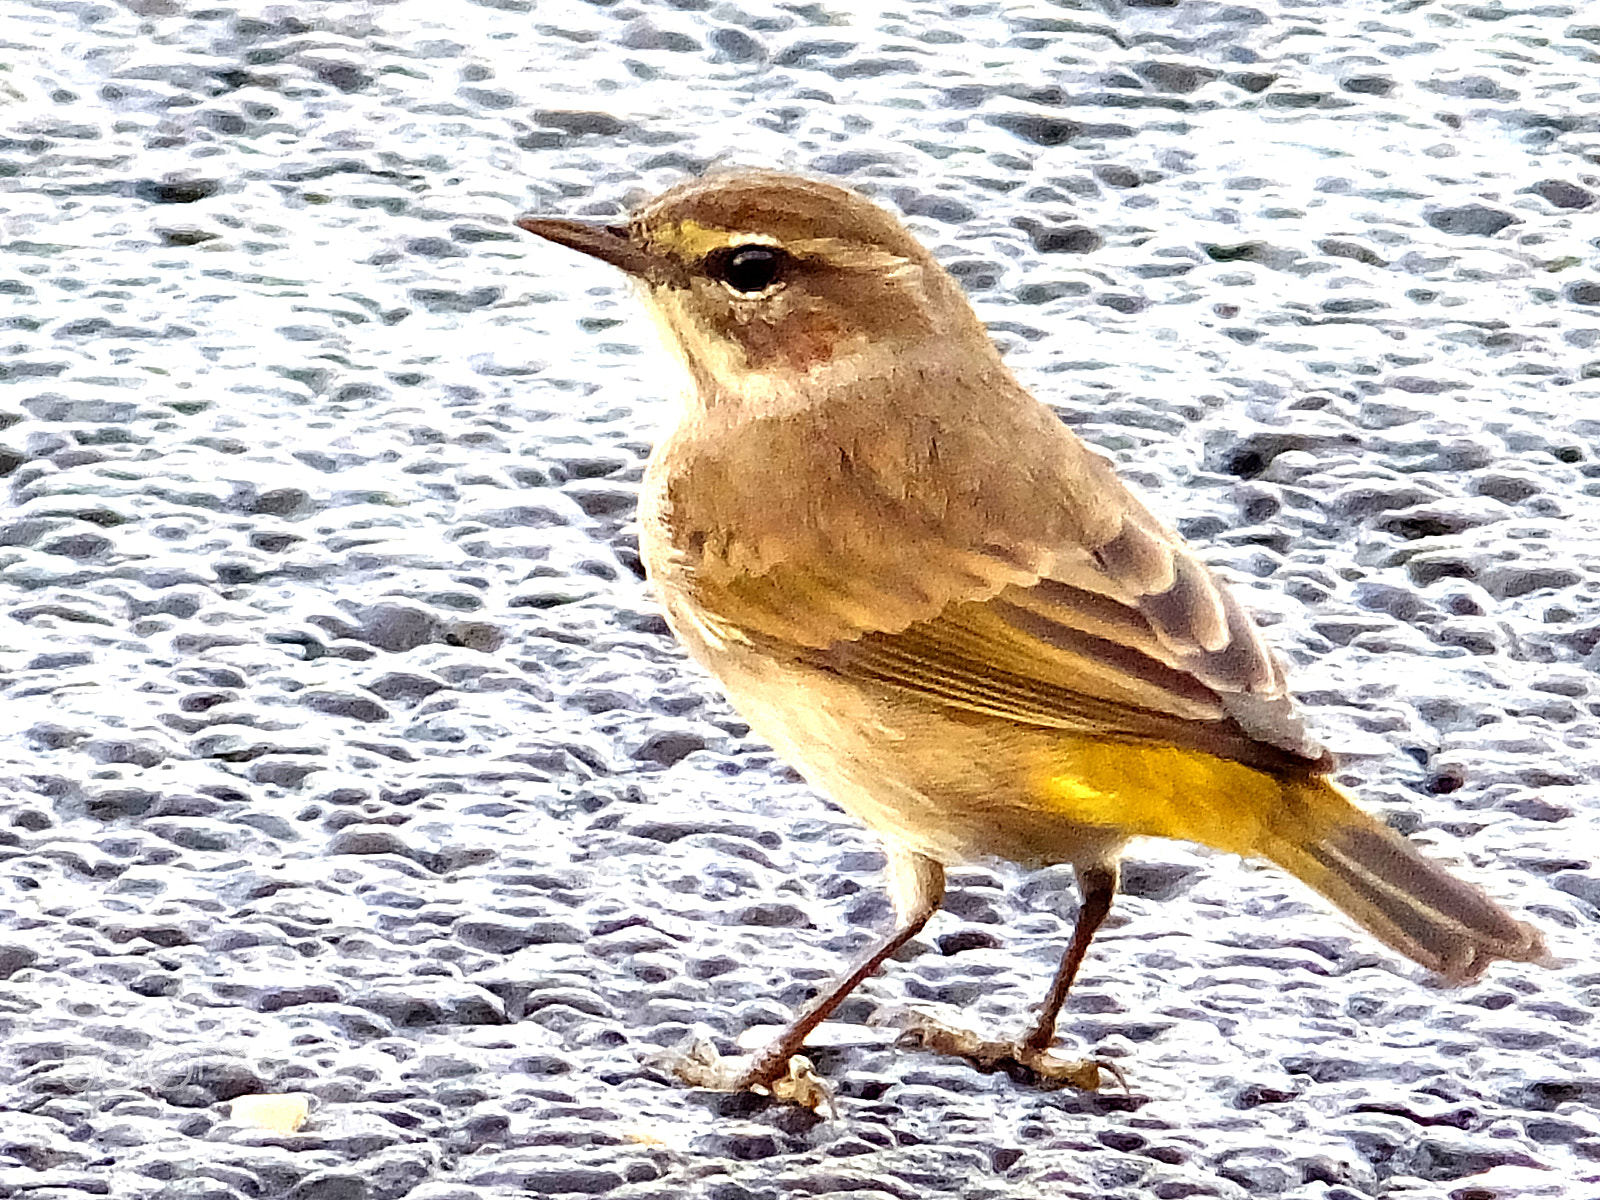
[951,787]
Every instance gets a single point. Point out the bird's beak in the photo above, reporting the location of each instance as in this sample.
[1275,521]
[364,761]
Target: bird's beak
[608,243]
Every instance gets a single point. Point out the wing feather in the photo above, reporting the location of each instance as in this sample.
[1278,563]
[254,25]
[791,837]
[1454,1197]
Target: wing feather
[1035,588]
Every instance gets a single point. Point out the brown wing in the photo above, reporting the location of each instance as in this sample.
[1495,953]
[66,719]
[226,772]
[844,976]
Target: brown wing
[1047,655]
[997,567]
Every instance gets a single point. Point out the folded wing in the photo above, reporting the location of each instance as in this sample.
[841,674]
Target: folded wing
[1042,591]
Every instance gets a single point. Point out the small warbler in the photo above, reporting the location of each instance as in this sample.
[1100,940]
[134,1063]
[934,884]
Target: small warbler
[935,601]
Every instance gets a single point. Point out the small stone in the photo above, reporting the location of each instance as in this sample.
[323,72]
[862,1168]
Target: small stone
[48,735]
[1443,1156]
[370,839]
[600,498]
[231,743]
[334,703]
[331,1185]
[205,1080]
[455,300]
[1504,581]
[135,751]
[282,772]
[53,406]
[1380,414]
[198,833]
[425,1002]
[14,957]
[496,937]
[548,1180]
[115,803]
[404,685]
[736,46]
[82,545]
[60,660]
[398,626]
[1470,220]
[1442,517]
[1562,193]
[1038,128]
[1583,291]
[1368,85]
[669,746]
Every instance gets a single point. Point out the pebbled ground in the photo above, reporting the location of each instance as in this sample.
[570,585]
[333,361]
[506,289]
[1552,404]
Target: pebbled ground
[343,752]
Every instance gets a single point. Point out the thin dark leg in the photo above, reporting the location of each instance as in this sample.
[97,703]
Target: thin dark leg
[1098,885]
[918,887]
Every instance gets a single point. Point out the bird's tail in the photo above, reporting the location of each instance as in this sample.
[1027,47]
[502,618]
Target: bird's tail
[1405,900]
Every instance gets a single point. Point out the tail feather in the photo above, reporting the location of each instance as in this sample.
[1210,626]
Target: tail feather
[1405,900]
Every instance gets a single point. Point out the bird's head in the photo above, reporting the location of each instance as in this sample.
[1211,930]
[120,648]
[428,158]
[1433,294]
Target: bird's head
[770,284]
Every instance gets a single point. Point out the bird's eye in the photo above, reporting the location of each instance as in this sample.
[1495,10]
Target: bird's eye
[747,269]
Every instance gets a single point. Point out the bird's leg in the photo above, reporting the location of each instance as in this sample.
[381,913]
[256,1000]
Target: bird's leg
[1030,1059]
[1097,886]
[917,886]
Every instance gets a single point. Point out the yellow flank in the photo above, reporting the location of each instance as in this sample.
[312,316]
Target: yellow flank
[1164,791]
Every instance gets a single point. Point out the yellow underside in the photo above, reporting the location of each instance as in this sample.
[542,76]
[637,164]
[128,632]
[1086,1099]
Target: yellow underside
[1164,791]
[1305,825]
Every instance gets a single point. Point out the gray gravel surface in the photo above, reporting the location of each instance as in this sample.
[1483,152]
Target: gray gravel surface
[344,753]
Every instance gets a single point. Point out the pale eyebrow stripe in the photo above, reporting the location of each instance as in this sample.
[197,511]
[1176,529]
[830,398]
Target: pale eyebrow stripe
[692,241]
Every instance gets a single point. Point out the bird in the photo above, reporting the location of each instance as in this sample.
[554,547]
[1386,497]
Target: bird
[949,614]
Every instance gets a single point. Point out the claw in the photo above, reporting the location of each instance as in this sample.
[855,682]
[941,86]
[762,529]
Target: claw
[702,1067]
[793,1081]
[1039,1068]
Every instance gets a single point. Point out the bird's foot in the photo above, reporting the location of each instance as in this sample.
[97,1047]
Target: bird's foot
[1026,1064]
[785,1077]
